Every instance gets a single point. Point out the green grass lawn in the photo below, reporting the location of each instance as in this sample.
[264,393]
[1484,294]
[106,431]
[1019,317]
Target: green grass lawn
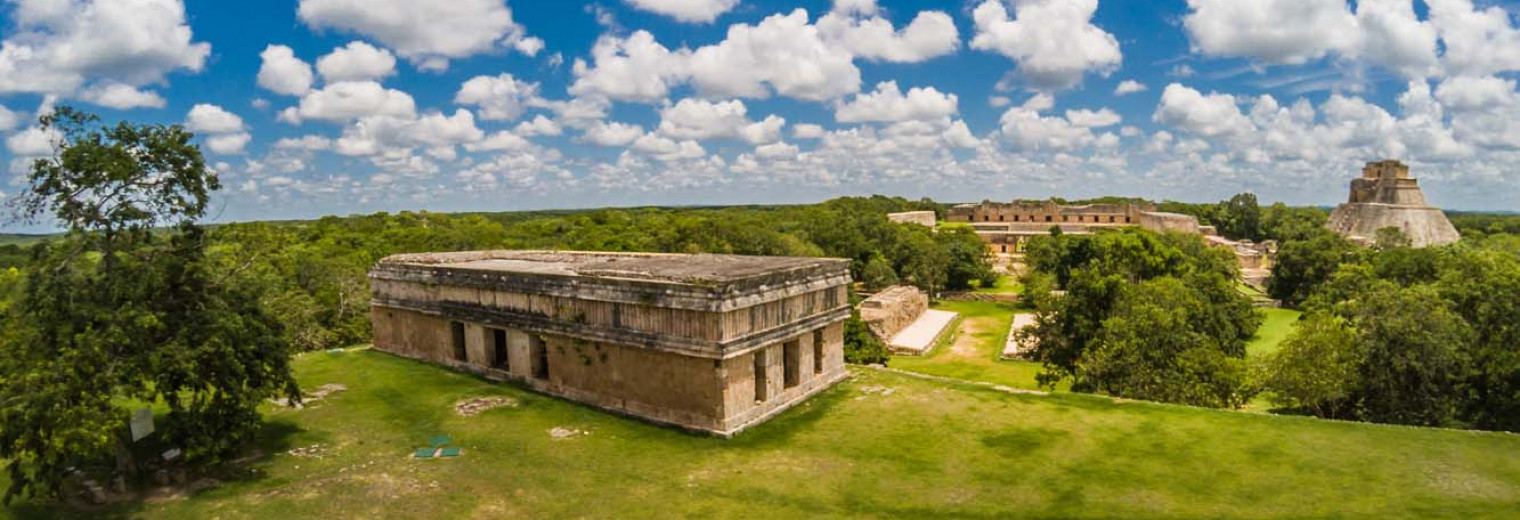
[971,352]
[1006,284]
[1275,328]
[924,450]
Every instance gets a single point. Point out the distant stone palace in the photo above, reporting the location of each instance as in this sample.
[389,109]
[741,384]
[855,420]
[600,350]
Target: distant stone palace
[1386,196]
[712,343]
[1007,227]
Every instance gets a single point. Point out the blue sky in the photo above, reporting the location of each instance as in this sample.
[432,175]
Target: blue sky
[315,107]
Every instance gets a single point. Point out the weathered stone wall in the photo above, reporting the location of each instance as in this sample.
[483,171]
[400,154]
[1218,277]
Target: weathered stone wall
[1386,196]
[702,394]
[1047,211]
[922,218]
[599,340]
[814,374]
[1158,221]
[890,311]
[1425,226]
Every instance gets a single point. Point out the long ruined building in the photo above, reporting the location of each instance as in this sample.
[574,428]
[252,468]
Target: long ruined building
[1007,227]
[1387,196]
[711,343]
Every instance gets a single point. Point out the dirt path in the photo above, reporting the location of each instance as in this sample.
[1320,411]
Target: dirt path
[972,332]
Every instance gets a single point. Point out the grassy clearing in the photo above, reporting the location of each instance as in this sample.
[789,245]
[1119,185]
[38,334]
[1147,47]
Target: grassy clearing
[1276,327]
[971,351]
[1006,284]
[924,450]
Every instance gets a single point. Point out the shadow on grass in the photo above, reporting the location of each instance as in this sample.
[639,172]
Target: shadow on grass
[273,437]
[781,429]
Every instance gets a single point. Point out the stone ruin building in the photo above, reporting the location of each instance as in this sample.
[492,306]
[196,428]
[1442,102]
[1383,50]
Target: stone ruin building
[922,218]
[1386,196]
[709,343]
[890,311]
[900,316]
[1007,227]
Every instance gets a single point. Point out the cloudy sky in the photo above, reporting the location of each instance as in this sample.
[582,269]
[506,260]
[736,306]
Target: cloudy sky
[314,107]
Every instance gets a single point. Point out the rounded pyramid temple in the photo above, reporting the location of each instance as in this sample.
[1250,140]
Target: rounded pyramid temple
[1386,196]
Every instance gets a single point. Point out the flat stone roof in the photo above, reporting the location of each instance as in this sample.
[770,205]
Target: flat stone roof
[698,269]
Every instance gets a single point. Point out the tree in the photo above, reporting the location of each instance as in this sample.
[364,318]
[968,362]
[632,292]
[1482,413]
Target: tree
[1282,223]
[1240,217]
[1414,360]
[1302,265]
[1483,286]
[968,259]
[921,261]
[122,312]
[1149,348]
[860,346]
[878,273]
[1141,314]
[1316,367]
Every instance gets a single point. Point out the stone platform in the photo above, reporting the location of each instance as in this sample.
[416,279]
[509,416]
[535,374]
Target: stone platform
[1012,348]
[918,337]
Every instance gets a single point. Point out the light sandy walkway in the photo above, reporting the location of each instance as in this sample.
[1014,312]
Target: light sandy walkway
[919,337]
[1011,346]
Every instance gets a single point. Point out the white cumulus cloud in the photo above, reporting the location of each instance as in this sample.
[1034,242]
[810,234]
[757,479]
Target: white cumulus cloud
[500,98]
[353,99]
[212,119]
[931,34]
[429,34]
[889,104]
[356,61]
[612,134]
[690,11]
[283,73]
[1210,115]
[1054,42]
[59,47]
[1129,86]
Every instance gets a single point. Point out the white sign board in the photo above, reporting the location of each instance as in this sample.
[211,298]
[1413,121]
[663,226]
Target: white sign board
[142,424]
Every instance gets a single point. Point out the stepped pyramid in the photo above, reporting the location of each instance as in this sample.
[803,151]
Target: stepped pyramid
[1386,196]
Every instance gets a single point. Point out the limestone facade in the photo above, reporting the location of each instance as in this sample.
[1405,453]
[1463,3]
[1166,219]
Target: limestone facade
[1387,196]
[890,311]
[1007,227]
[710,343]
[922,218]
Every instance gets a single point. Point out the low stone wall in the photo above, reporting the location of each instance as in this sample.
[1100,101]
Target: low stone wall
[922,218]
[888,312]
[979,297]
[1160,221]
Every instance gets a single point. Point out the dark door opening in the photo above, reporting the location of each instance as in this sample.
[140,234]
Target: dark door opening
[540,353]
[762,383]
[791,373]
[499,358]
[817,352]
[456,332]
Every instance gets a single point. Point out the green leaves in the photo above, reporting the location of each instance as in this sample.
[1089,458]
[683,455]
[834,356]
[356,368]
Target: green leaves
[1143,315]
[126,177]
[117,311]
